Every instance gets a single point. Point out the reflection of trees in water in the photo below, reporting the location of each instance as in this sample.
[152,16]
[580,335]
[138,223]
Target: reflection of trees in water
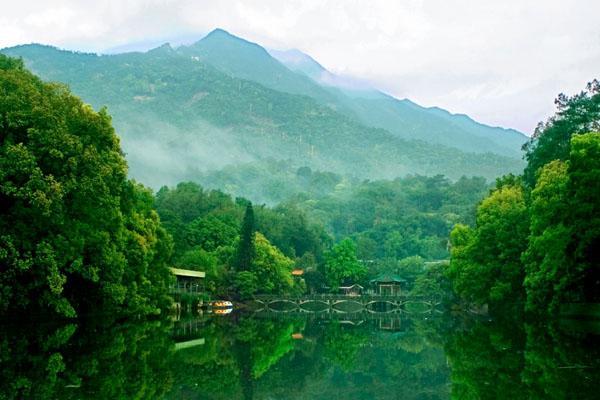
[259,345]
[339,361]
[85,361]
[517,361]
[559,365]
[236,354]
[244,358]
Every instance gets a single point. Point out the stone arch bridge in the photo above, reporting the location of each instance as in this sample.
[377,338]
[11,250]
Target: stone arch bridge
[331,303]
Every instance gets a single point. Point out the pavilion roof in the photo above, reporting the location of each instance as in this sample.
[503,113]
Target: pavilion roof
[356,285]
[187,272]
[388,278]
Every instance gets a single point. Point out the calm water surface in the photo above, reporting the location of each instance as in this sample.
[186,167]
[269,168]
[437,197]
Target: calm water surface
[272,356]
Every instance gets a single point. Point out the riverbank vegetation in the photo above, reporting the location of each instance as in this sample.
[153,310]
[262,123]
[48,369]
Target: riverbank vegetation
[76,235]
[536,237]
[350,233]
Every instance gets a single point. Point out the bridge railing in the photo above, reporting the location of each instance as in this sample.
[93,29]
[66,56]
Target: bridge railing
[180,287]
[332,296]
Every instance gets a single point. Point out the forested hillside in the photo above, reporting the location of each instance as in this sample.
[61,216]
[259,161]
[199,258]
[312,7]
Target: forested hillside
[223,101]
[338,233]
[403,117]
[371,107]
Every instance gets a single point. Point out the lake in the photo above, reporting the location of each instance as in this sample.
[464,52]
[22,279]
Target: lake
[284,356]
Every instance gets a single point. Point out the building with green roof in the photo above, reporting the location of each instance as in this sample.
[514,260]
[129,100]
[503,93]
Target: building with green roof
[388,284]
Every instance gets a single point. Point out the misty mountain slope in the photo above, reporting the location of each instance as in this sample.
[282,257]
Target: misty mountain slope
[246,60]
[403,117]
[304,64]
[409,121]
[178,116]
[243,59]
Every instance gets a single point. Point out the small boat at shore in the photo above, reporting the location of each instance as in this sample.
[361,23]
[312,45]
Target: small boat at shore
[221,304]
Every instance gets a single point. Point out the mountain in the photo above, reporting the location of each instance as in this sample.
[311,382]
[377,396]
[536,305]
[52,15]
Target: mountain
[295,72]
[246,60]
[302,63]
[298,61]
[224,101]
[403,117]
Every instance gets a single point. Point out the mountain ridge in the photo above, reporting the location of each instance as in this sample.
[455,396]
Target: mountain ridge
[178,115]
[361,103]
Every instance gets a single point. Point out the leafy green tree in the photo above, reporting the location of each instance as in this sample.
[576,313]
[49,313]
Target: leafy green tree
[313,277]
[211,231]
[246,284]
[271,267]
[202,260]
[307,262]
[197,218]
[75,235]
[410,268]
[288,228]
[545,259]
[561,211]
[198,260]
[551,140]
[463,272]
[584,216]
[342,266]
[434,282]
[147,249]
[366,248]
[485,266]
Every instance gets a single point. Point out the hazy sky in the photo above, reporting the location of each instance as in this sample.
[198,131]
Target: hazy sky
[501,62]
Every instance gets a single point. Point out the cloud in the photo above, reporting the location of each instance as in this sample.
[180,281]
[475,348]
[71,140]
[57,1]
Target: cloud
[500,62]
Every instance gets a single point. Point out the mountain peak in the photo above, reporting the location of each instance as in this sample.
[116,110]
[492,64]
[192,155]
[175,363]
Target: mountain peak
[220,44]
[163,48]
[221,35]
[218,32]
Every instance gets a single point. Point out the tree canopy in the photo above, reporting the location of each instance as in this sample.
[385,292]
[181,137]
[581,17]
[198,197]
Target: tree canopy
[342,266]
[540,233]
[75,234]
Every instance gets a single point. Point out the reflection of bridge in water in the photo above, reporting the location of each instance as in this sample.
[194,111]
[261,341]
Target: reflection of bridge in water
[392,321]
[343,304]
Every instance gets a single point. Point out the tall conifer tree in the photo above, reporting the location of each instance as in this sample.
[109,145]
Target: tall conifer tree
[246,250]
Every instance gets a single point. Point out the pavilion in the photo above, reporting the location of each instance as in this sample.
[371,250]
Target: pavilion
[351,290]
[188,281]
[388,285]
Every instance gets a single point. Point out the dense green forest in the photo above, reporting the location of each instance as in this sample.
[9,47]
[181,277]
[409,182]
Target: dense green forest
[536,239]
[75,234]
[382,226]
